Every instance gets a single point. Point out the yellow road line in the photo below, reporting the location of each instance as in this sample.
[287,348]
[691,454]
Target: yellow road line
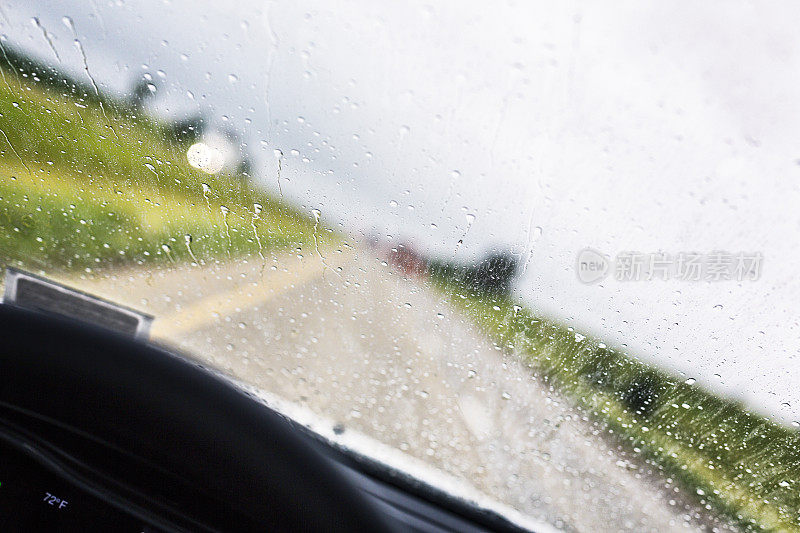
[209,309]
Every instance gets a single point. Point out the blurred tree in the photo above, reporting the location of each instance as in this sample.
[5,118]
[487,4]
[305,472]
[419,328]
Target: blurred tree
[641,394]
[187,130]
[20,61]
[440,269]
[245,166]
[494,274]
[142,91]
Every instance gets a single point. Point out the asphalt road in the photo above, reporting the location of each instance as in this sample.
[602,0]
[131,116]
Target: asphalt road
[376,354]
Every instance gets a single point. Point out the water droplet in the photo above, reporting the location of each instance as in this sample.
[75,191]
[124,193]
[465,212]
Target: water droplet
[233,78]
[167,251]
[67,21]
[690,381]
[257,208]
[505,396]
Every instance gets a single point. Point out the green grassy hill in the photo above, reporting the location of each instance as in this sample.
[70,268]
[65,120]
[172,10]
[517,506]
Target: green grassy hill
[86,183]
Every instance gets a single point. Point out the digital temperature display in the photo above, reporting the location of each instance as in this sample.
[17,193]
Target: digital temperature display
[34,498]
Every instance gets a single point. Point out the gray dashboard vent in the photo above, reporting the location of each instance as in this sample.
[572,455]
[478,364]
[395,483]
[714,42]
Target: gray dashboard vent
[29,291]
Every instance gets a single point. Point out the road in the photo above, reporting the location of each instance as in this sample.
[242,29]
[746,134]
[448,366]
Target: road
[376,354]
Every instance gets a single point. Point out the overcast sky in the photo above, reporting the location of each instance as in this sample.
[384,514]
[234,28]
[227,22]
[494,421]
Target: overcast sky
[548,127]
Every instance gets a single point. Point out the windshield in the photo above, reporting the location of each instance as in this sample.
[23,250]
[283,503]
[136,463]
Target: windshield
[543,250]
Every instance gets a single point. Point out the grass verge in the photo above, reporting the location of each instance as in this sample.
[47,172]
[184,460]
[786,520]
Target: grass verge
[737,463]
[85,185]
